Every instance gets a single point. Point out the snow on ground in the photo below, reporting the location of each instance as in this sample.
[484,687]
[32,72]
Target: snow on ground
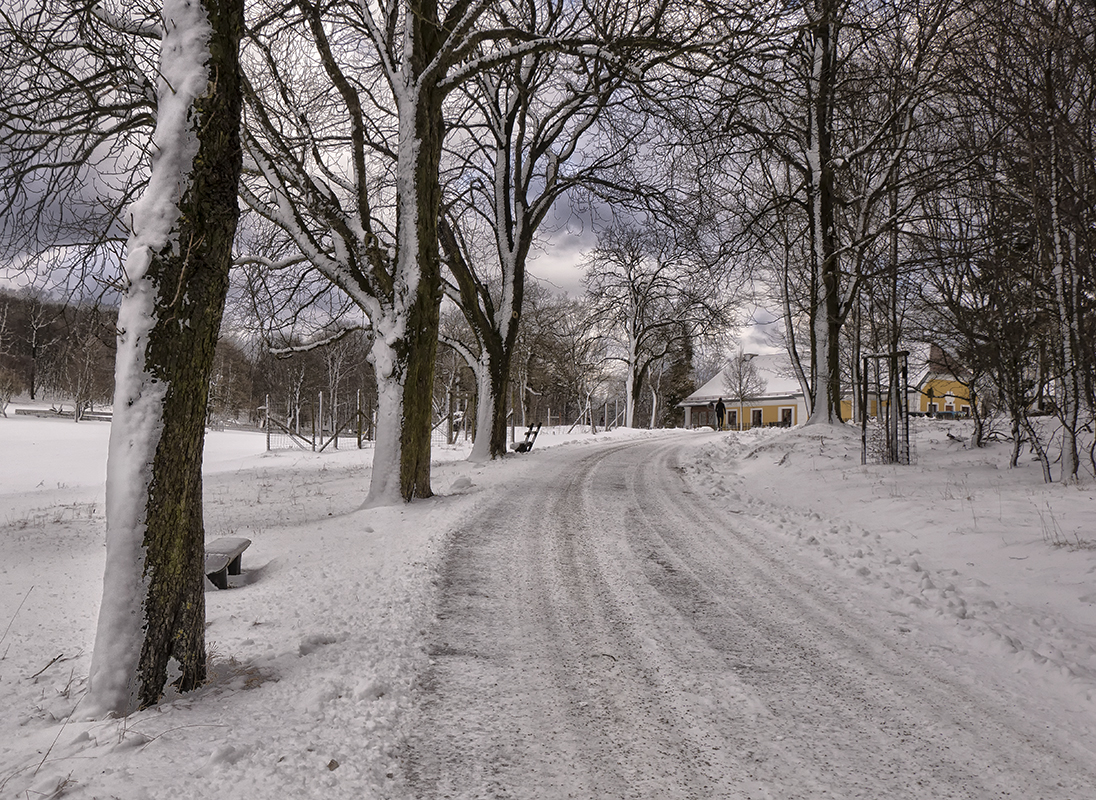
[956,545]
[316,648]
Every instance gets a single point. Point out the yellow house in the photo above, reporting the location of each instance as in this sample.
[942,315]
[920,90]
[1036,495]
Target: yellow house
[942,389]
[781,404]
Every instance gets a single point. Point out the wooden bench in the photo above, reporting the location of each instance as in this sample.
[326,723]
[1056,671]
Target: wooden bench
[223,557]
[530,437]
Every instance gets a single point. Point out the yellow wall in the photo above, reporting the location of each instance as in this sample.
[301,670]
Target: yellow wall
[847,413]
[941,388]
[770,414]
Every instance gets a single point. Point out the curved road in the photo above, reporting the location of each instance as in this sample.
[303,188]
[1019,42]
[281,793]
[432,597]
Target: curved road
[609,632]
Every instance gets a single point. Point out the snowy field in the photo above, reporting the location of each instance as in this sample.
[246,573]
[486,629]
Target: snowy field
[318,647]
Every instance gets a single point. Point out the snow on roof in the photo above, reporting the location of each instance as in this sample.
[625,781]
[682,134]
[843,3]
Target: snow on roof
[939,364]
[780,380]
[775,368]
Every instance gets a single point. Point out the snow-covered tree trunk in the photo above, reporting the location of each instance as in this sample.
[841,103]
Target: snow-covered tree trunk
[407,330]
[176,273]
[498,356]
[496,331]
[488,399]
[384,481]
[487,403]
[631,382]
[1064,287]
[825,316]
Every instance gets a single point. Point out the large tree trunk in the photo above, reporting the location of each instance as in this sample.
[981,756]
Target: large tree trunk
[486,406]
[421,334]
[631,389]
[498,373]
[384,481]
[418,390]
[492,371]
[417,293]
[403,356]
[154,594]
[826,323]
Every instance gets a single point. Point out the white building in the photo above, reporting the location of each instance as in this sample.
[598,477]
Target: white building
[781,403]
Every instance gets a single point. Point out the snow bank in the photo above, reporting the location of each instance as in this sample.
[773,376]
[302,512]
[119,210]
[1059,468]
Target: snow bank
[963,553]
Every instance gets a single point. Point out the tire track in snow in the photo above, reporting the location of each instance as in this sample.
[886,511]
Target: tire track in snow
[854,701]
[606,633]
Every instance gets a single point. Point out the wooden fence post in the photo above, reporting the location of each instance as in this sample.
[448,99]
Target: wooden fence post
[449,410]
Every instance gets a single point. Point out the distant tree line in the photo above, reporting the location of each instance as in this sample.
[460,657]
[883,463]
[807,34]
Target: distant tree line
[54,348]
[567,356]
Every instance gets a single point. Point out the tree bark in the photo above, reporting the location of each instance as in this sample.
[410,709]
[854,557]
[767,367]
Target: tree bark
[826,324]
[192,284]
[498,367]
[418,240]
[188,282]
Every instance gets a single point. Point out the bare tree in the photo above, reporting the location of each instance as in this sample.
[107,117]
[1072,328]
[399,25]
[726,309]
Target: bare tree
[649,291]
[356,186]
[855,88]
[573,360]
[42,330]
[83,366]
[1045,96]
[1011,244]
[529,124]
[83,85]
[541,314]
[742,381]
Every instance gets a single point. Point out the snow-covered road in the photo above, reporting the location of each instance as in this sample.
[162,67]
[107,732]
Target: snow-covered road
[613,630]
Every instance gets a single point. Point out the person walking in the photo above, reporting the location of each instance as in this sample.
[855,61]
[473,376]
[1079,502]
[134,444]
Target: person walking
[720,413]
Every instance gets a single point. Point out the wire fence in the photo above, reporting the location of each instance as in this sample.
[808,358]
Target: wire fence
[884,409]
[312,430]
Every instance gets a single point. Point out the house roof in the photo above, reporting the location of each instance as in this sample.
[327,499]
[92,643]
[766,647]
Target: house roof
[780,380]
[774,368]
[941,366]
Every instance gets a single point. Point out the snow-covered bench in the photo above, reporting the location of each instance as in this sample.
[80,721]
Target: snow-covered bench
[530,437]
[223,557]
